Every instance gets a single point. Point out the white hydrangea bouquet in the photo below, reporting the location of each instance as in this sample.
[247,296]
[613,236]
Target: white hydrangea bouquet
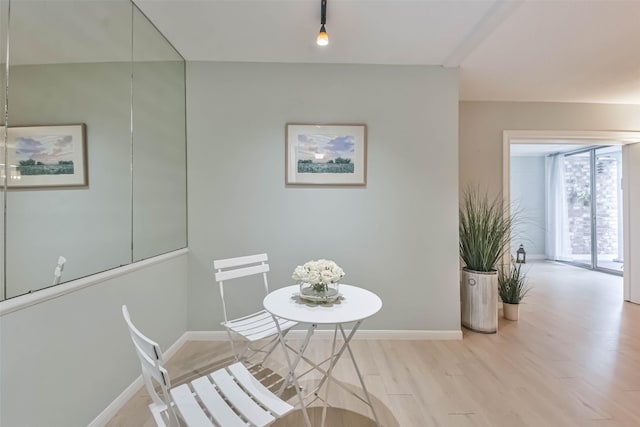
[319,280]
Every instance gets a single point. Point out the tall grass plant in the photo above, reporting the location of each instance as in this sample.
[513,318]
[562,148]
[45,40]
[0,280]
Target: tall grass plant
[485,230]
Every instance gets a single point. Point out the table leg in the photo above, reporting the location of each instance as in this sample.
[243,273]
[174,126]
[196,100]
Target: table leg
[328,376]
[346,346]
[355,365]
[342,349]
[299,355]
[291,376]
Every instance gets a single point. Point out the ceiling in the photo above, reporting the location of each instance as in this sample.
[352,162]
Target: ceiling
[555,51]
[85,31]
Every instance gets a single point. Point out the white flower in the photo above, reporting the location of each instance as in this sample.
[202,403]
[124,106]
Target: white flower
[300,274]
[313,277]
[328,276]
[323,264]
[337,271]
[322,271]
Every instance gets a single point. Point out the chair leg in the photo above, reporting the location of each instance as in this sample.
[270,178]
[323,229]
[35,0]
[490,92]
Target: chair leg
[274,343]
[267,348]
[233,348]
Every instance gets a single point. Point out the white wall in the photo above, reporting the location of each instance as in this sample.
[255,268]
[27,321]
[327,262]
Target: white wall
[64,360]
[528,199]
[397,237]
[482,124]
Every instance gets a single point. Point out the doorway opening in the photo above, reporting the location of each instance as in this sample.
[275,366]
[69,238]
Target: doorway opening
[584,218]
[574,197]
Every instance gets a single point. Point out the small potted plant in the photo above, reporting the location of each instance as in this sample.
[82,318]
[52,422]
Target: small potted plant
[512,288]
[485,232]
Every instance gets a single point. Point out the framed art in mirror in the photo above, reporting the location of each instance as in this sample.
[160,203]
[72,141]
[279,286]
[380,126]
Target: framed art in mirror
[326,154]
[47,156]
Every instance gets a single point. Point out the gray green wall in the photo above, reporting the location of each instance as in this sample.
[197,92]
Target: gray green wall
[397,236]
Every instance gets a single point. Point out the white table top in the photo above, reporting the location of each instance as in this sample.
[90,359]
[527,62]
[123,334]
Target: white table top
[355,304]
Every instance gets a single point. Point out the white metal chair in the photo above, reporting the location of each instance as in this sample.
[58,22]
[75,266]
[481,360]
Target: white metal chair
[228,397]
[255,326]
[57,273]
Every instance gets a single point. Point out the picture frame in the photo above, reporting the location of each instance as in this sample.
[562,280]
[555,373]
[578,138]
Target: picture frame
[326,154]
[46,156]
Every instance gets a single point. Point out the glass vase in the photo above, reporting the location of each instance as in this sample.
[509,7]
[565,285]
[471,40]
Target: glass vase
[320,292]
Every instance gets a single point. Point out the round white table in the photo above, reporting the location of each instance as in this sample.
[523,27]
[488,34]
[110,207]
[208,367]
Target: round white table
[355,305]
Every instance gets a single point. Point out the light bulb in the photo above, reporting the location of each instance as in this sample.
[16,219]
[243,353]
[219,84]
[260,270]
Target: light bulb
[323,38]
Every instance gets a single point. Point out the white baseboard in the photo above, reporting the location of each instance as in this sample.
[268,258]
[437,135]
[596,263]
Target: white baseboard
[362,334]
[110,411]
[409,335]
[206,336]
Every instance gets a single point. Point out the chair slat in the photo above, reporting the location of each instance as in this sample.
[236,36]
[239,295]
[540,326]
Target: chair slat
[222,276]
[259,391]
[261,334]
[189,408]
[238,398]
[158,373]
[257,331]
[254,318]
[242,260]
[150,348]
[262,328]
[286,324]
[217,407]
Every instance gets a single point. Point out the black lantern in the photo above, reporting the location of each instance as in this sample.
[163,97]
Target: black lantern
[521,255]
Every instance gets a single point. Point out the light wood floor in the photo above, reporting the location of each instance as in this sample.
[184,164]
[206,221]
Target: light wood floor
[573,359]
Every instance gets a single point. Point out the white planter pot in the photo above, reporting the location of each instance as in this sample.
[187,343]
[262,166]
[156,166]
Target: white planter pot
[510,311]
[479,300]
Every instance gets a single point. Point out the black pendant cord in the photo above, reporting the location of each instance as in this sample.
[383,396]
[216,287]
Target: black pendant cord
[323,12]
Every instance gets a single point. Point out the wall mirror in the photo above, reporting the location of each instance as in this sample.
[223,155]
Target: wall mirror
[4,27]
[95,89]
[159,149]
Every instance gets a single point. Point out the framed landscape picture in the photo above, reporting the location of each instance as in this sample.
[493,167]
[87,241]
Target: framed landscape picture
[47,156]
[326,154]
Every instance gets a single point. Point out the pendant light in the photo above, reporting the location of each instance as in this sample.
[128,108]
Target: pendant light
[323,38]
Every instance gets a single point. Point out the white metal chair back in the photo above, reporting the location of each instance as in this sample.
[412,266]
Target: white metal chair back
[153,373]
[255,326]
[235,268]
[57,273]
